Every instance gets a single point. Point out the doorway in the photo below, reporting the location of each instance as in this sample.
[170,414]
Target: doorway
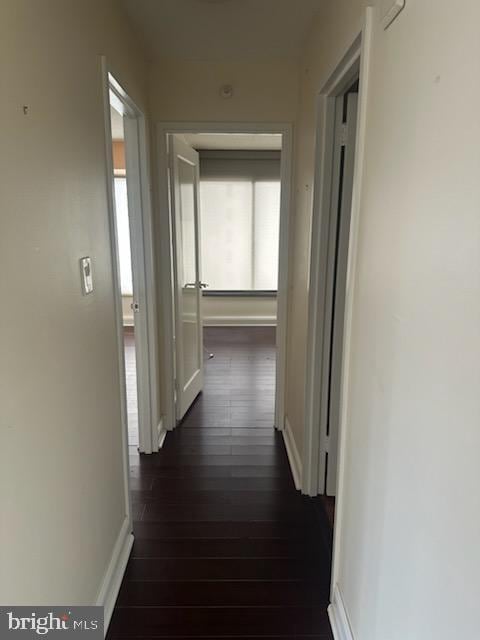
[131,236]
[123,226]
[222,183]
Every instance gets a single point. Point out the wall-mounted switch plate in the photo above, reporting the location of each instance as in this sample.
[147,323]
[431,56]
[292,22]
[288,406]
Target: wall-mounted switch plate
[86,275]
[390,10]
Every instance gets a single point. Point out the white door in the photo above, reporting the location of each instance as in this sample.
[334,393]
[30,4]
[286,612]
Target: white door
[344,159]
[184,167]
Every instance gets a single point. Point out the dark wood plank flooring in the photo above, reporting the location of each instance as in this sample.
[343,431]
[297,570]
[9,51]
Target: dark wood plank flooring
[225,547]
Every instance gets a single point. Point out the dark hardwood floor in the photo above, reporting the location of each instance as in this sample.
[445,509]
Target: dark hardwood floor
[225,547]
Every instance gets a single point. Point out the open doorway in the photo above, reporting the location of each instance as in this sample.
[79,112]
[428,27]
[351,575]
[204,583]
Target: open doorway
[229,216]
[240,222]
[133,270]
[238,239]
[237,228]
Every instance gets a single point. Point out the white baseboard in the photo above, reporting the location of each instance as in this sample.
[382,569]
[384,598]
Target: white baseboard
[240,321]
[293,455]
[162,432]
[112,580]
[338,617]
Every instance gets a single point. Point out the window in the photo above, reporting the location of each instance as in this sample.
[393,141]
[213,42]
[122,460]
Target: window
[123,235]
[240,215]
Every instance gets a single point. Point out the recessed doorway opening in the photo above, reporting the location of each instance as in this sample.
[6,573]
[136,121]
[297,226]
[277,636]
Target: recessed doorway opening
[228,191]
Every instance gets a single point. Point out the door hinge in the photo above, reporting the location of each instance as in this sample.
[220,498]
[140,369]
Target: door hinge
[344,134]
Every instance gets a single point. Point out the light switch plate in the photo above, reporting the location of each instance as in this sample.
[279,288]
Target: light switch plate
[390,10]
[86,275]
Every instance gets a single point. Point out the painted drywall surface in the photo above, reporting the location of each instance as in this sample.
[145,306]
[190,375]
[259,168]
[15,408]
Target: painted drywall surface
[409,558]
[190,91]
[61,482]
[236,310]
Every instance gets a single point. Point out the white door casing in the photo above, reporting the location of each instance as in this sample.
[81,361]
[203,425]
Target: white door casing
[165,132]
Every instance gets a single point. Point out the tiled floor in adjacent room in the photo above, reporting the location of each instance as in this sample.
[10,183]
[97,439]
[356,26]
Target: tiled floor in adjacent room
[225,547]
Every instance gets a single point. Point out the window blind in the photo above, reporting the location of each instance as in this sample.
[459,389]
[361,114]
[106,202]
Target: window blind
[240,215]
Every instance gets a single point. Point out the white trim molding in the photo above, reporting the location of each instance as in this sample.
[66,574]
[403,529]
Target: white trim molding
[161,432]
[112,580]
[240,321]
[293,455]
[338,617]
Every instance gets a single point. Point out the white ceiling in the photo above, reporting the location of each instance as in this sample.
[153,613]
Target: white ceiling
[223,29]
[234,141]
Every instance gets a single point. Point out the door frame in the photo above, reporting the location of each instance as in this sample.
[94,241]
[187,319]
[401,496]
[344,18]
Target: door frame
[165,266]
[356,61]
[150,425]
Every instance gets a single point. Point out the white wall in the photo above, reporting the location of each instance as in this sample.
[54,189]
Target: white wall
[62,498]
[408,553]
[239,310]
[189,90]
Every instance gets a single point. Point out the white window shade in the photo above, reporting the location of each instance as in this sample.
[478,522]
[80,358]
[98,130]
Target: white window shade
[240,213]
[266,232]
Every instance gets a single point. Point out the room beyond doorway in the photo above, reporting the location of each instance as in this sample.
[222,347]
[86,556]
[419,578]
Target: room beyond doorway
[187,154]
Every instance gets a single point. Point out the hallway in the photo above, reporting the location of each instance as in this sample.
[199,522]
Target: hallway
[224,544]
